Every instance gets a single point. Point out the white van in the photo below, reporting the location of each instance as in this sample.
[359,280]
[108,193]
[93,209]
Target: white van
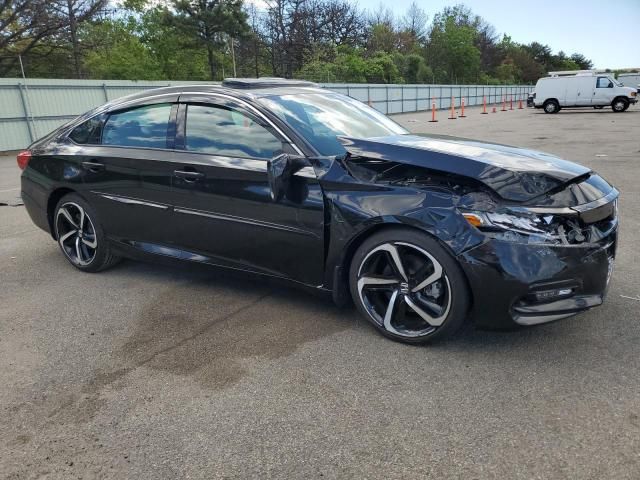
[585,88]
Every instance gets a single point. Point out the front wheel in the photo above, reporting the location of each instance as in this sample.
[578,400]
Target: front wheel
[619,105]
[80,236]
[551,106]
[408,286]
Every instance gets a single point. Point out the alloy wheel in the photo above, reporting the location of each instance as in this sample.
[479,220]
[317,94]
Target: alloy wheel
[404,289]
[76,234]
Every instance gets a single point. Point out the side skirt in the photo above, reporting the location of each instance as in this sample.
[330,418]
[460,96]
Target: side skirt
[154,253]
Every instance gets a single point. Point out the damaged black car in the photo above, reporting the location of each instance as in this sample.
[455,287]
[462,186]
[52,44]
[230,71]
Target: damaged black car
[288,180]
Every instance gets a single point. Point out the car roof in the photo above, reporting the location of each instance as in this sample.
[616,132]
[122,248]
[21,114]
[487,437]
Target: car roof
[246,89]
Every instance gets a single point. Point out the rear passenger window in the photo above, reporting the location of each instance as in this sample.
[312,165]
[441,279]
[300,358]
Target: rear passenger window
[140,127]
[221,131]
[87,133]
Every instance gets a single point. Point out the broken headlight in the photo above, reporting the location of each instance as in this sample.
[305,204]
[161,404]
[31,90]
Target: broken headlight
[531,228]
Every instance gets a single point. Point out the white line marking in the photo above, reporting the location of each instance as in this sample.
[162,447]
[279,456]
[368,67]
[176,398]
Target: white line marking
[9,190]
[631,298]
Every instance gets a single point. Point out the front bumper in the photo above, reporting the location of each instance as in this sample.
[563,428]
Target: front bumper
[514,283]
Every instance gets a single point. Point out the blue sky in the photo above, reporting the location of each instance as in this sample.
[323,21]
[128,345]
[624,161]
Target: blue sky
[607,32]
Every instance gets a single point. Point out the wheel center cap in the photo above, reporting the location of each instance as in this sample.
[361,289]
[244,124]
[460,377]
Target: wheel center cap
[404,288]
[80,234]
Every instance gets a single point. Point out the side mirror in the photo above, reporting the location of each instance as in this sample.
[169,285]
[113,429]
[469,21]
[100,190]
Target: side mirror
[279,171]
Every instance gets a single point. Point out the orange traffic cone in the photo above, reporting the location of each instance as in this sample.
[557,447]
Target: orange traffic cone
[433,110]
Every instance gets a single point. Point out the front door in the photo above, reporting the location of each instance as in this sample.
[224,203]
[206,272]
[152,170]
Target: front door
[602,93]
[222,201]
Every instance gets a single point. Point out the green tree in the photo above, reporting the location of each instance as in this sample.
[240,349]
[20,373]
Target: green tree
[416,70]
[382,38]
[209,24]
[118,53]
[583,62]
[177,56]
[451,49]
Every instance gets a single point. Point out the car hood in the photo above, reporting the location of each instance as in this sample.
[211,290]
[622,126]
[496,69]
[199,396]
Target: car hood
[516,174]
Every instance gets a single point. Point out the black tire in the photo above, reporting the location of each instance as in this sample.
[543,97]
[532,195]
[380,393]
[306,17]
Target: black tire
[551,106]
[619,104]
[74,214]
[447,297]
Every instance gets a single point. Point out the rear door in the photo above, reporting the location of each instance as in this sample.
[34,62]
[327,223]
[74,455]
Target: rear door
[223,205]
[127,171]
[580,90]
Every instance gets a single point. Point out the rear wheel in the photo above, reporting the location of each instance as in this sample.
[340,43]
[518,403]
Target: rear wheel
[551,106]
[80,236]
[619,105]
[408,286]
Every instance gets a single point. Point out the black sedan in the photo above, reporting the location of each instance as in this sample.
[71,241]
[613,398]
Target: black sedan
[284,179]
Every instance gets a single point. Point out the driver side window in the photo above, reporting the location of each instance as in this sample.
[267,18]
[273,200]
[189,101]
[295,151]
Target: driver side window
[222,131]
[604,82]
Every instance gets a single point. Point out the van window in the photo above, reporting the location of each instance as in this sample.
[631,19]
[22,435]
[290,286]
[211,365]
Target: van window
[604,82]
[139,127]
[221,131]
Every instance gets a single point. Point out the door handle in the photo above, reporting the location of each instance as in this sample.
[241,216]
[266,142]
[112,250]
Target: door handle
[93,166]
[187,175]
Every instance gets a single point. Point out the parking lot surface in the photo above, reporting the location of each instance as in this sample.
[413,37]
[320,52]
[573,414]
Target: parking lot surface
[148,371]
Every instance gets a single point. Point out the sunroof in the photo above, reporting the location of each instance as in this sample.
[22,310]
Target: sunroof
[265,82]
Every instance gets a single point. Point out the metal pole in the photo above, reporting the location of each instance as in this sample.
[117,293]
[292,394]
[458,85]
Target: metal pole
[106,95]
[25,103]
[233,57]
[26,113]
[386,90]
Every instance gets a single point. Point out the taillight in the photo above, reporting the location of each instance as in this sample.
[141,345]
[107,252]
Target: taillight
[23,159]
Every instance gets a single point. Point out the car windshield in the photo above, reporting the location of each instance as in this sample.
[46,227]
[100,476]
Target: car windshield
[321,117]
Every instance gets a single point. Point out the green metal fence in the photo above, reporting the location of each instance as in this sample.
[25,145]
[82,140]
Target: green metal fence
[31,109]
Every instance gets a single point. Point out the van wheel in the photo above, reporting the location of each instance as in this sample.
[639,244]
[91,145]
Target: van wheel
[619,105]
[551,106]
